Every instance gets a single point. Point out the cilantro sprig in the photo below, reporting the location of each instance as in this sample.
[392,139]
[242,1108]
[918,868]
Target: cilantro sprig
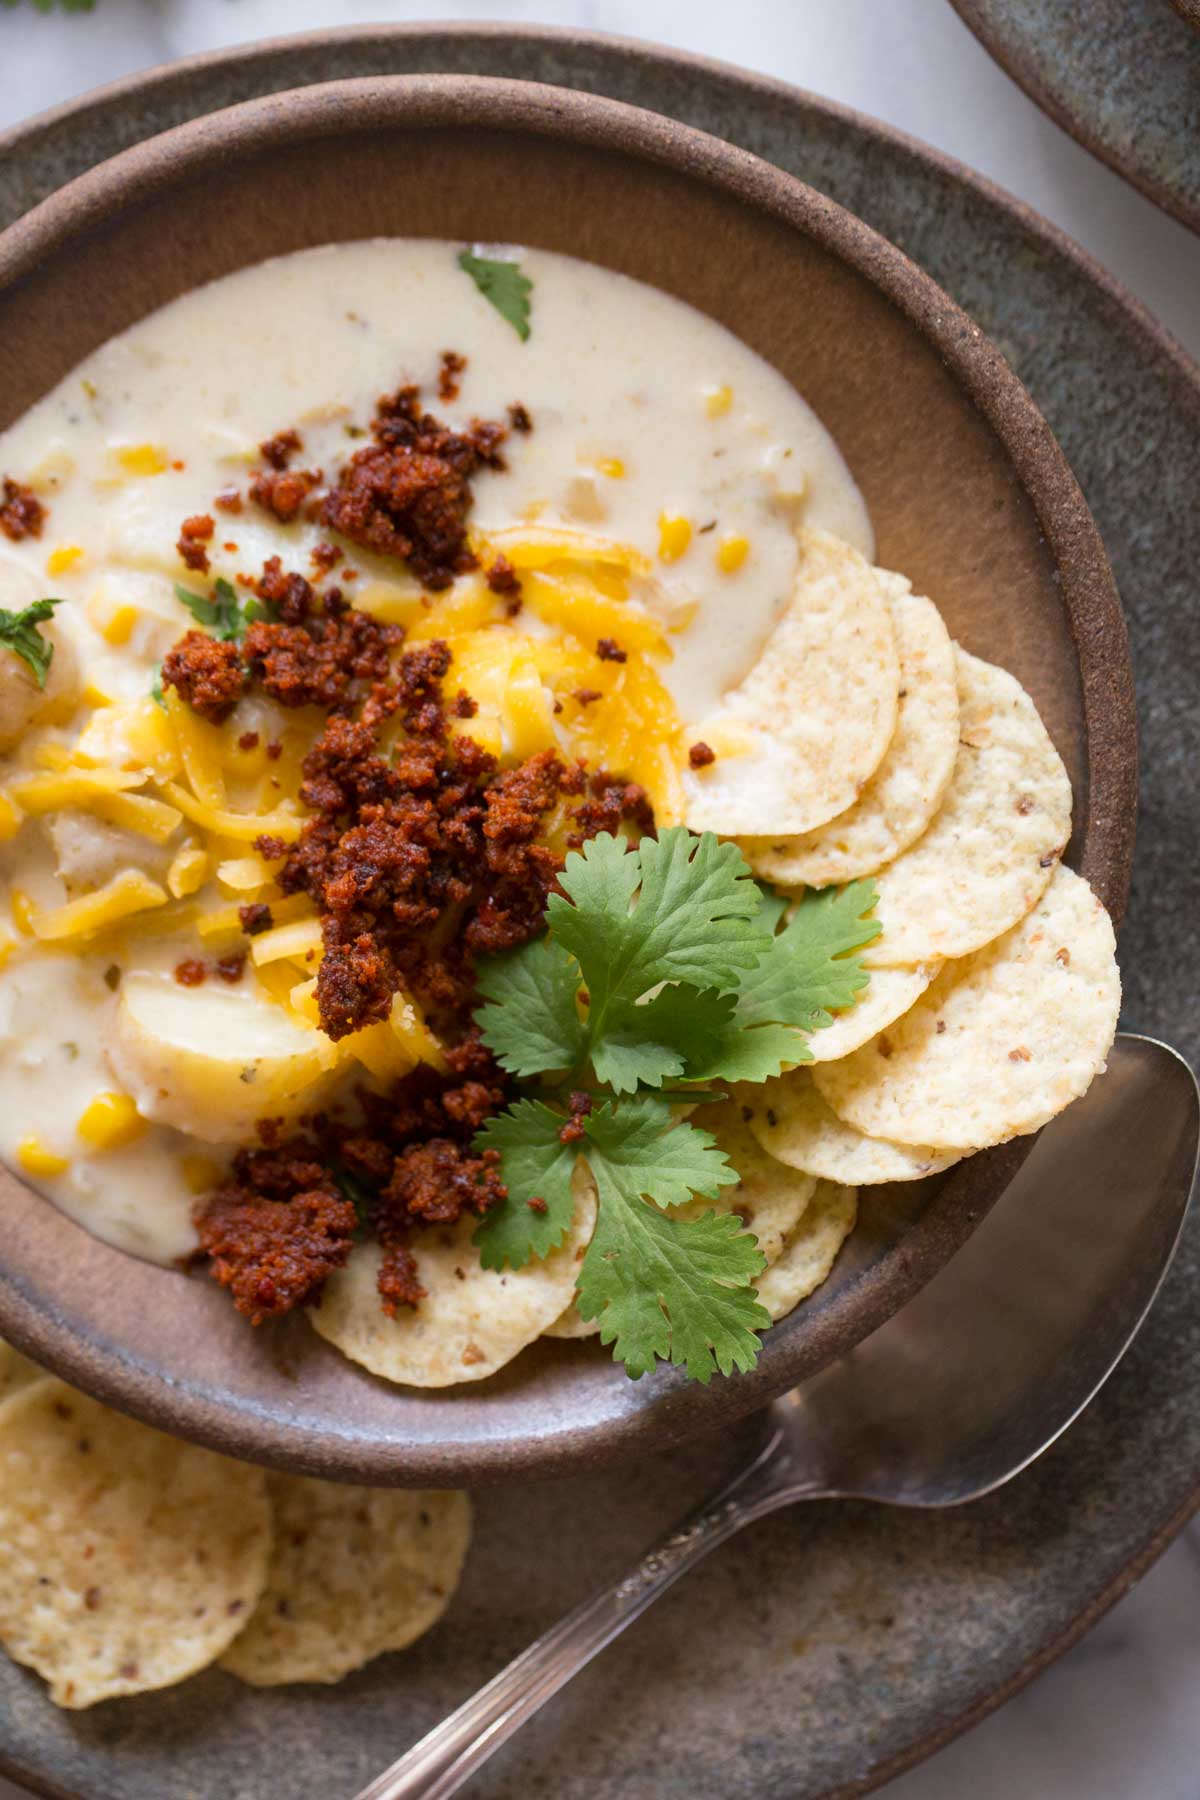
[665,964]
[504,285]
[19,633]
[224,615]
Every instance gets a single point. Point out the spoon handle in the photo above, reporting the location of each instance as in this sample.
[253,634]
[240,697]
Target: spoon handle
[452,1752]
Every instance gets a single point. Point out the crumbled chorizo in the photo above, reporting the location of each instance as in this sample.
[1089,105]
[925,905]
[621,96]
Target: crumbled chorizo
[255,916]
[452,366]
[275,1250]
[700,755]
[207,673]
[502,578]
[22,514]
[283,491]
[408,492]
[278,451]
[608,650]
[194,535]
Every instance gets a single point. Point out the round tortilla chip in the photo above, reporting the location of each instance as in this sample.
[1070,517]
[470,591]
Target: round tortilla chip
[792,1121]
[128,1559]
[355,1571]
[907,788]
[769,1199]
[811,1250]
[16,1371]
[472,1320]
[888,996]
[1000,1043]
[816,711]
[996,839]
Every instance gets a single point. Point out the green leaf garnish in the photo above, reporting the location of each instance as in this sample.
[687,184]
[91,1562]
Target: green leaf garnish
[537,1166]
[662,964]
[503,284]
[156,688]
[532,1023]
[224,616]
[19,633]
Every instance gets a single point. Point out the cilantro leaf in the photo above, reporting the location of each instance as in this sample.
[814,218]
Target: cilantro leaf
[531,1024]
[156,687]
[535,1164]
[694,918]
[662,1287]
[19,633]
[223,616]
[502,283]
[808,971]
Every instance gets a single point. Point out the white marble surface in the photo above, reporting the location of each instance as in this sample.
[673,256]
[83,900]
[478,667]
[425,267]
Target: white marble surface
[1116,1719]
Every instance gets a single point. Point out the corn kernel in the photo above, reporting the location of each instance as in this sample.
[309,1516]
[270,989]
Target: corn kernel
[110,1121]
[113,618]
[674,536]
[612,466]
[62,559]
[95,696]
[118,628]
[200,1174]
[732,552]
[188,870]
[38,1160]
[10,817]
[142,459]
[718,400]
[24,911]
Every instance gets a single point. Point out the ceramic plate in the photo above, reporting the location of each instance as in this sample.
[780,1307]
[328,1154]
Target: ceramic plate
[852,1640]
[1122,76]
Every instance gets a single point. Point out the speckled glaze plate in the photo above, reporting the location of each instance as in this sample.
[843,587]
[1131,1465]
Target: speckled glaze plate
[830,1647]
[1122,76]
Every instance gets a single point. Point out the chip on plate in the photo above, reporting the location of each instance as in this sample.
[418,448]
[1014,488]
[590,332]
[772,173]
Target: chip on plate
[888,995]
[793,1122]
[815,713]
[472,1320]
[811,1250]
[999,1043]
[994,842]
[355,1571]
[906,789]
[128,1559]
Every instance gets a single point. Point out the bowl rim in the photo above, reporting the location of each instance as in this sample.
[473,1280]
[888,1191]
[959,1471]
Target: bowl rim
[419,102]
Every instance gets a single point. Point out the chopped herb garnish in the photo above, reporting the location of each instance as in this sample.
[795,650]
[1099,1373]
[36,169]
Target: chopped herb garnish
[503,284]
[661,964]
[156,688]
[19,633]
[224,616]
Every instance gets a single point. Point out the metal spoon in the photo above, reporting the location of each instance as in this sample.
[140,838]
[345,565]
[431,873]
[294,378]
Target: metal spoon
[958,1393]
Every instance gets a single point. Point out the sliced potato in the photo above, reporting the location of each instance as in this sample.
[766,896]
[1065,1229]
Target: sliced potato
[213,1060]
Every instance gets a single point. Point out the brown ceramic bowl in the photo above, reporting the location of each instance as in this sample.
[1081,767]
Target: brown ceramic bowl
[970,496]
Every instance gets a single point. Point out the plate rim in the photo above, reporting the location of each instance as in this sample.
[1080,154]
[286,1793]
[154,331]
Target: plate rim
[1022,67]
[1136,316]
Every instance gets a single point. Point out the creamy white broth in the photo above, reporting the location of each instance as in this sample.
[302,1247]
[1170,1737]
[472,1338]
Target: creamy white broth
[614,374]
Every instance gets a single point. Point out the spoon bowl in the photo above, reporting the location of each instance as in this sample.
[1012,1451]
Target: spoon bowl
[952,1397]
